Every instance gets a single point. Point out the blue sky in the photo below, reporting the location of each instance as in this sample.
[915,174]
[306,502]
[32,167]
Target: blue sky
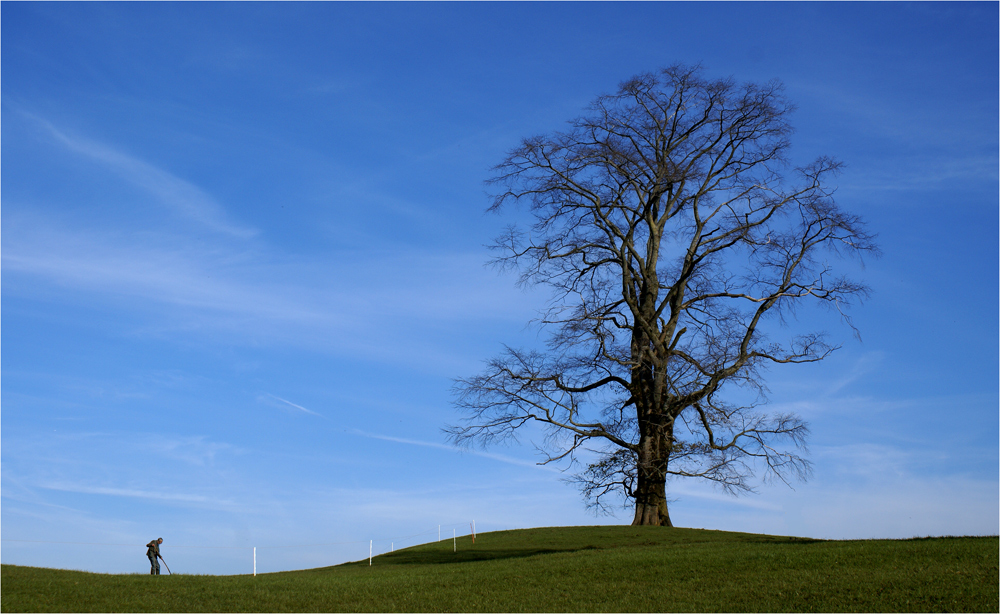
[242,263]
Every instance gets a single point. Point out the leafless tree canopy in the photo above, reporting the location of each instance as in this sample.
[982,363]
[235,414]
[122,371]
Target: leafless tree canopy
[669,225]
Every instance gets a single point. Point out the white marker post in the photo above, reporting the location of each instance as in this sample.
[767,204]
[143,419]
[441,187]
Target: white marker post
[370,552]
[454,541]
[255,561]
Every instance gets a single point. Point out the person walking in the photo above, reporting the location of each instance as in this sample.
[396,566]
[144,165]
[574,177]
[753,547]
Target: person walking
[153,553]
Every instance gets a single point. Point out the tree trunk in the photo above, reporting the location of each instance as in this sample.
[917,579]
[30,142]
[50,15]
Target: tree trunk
[655,432]
[651,487]
[651,506]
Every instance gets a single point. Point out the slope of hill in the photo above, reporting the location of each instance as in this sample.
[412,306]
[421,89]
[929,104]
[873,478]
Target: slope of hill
[576,569]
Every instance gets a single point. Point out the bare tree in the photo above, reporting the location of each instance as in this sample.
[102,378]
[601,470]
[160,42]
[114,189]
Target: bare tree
[670,226]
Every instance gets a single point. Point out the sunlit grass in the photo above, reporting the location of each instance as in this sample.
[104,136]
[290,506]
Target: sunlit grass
[568,569]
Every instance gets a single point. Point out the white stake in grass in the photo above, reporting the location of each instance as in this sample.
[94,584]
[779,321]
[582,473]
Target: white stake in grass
[255,561]
[370,552]
[454,541]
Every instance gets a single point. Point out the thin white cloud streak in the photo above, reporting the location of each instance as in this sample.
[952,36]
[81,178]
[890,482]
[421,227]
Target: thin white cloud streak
[299,407]
[196,450]
[685,491]
[869,362]
[191,450]
[440,446]
[138,494]
[71,463]
[183,197]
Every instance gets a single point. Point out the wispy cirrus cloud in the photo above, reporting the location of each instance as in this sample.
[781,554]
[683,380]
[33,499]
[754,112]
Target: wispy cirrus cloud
[267,396]
[155,495]
[178,195]
[197,450]
[156,269]
[440,446]
[388,307]
[188,471]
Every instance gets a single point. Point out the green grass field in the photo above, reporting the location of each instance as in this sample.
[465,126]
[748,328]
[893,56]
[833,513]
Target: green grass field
[579,569]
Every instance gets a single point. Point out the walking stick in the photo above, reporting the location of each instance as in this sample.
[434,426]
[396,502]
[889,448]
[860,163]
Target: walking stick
[165,565]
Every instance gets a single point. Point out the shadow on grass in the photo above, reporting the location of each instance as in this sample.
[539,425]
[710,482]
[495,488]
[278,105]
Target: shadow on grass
[796,541]
[447,557]
[557,542]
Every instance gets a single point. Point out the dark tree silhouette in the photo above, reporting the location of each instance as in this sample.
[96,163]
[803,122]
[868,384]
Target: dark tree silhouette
[669,225]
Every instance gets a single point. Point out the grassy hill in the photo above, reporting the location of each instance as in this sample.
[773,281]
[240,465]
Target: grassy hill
[579,569]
